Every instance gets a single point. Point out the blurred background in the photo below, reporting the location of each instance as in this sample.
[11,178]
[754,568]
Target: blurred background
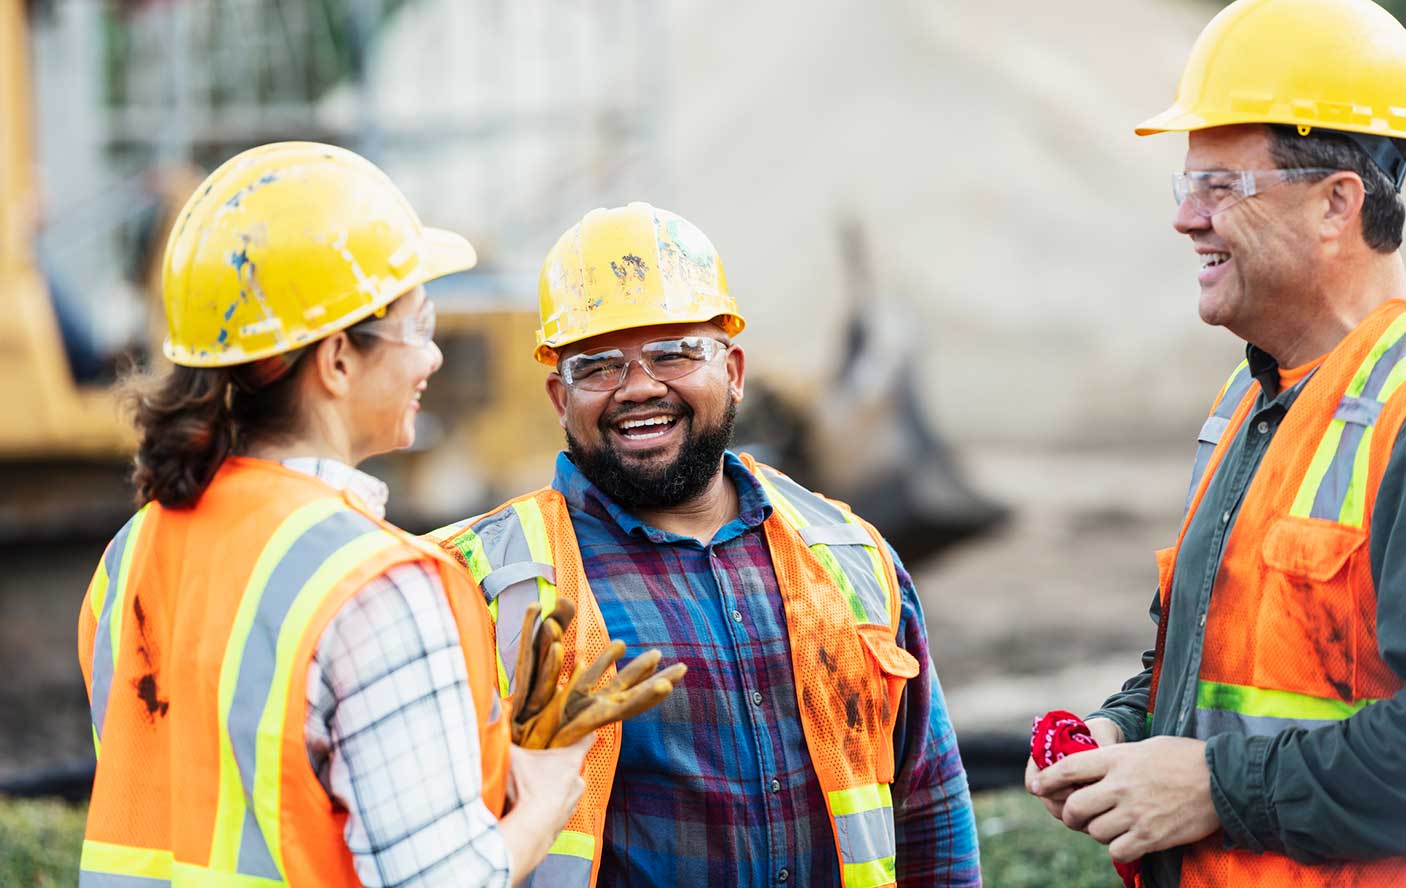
[968,313]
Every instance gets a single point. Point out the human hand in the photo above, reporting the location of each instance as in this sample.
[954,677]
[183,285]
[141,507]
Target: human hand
[1134,797]
[1105,731]
[544,787]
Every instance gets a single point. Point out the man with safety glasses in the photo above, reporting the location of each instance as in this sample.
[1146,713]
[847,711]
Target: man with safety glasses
[809,743]
[1262,744]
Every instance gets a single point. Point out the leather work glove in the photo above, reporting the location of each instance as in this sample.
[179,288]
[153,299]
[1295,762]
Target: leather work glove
[545,715]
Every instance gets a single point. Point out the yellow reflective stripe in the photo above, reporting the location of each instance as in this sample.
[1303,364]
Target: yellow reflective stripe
[860,799]
[529,513]
[1271,703]
[1392,382]
[97,588]
[125,860]
[268,768]
[471,547]
[1355,497]
[97,744]
[229,811]
[821,551]
[1322,459]
[880,574]
[1231,379]
[119,589]
[1390,336]
[871,873]
[575,844]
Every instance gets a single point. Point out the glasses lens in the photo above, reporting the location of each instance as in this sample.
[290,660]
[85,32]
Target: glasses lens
[673,358]
[596,372]
[422,333]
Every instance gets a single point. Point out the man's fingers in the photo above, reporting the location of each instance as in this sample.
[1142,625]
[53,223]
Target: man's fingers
[1129,847]
[1073,771]
[1109,825]
[1083,805]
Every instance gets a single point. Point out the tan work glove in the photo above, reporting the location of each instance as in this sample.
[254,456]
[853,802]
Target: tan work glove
[545,715]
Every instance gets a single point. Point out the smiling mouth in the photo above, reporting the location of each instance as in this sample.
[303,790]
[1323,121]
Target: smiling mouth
[644,429]
[1211,260]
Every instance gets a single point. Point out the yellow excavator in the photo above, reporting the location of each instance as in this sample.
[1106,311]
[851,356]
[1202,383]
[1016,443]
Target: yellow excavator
[488,432]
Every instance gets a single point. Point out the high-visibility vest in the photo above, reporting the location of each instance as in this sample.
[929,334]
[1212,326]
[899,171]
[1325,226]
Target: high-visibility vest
[841,597]
[1290,635]
[195,639]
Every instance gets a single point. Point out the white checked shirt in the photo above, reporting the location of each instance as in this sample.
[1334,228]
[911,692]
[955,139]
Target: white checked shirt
[391,730]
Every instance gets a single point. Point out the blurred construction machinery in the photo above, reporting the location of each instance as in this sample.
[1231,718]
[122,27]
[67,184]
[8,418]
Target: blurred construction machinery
[186,84]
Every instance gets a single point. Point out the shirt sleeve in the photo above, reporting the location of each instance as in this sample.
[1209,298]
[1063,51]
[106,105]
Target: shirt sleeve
[933,818]
[391,732]
[1128,707]
[1338,791]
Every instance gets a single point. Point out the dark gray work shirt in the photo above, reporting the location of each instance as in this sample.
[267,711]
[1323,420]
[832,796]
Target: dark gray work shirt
[1333,793]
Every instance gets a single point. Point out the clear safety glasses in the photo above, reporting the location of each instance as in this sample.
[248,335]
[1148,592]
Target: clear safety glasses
[417,332]
[662,359]
[1215,191]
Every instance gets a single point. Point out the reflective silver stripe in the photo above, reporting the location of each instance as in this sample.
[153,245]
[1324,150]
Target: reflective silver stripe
[1332,489]
[824,517]
[560,871]
[1213,429]
[505,545]
[89,879]
[1210,722]
[501,578]
[102,642]
[1358,411]
[867,835]
[259,658]
[836,535]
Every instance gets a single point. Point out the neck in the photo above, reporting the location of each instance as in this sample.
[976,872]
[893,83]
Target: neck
[1338,309]
[320,436]
[700,517]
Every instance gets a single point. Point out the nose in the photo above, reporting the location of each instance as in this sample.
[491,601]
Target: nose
[1187,219]
[638,386]
[436,358]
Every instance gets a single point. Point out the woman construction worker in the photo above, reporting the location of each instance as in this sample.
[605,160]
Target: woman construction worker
[285,689]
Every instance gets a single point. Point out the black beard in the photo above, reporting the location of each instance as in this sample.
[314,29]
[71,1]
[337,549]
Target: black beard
[698,463]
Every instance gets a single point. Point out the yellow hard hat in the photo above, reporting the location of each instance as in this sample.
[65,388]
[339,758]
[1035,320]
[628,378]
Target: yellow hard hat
[631,266]
[1334,64]
[287,243]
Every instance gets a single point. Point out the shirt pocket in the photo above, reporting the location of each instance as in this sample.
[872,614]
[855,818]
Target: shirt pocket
[893,666]
[1305,628]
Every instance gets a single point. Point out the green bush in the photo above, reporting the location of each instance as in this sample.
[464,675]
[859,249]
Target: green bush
[1021,846]
[1024,847]
[40,842]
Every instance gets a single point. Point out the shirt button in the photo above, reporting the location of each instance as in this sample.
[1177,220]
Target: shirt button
[1224,517]
[776,786]
[1262,428]
[737,616]
[757,697]
[783,875]
[1202,621]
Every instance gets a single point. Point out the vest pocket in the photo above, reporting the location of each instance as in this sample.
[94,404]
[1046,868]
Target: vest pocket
[1305,623]
[894,666]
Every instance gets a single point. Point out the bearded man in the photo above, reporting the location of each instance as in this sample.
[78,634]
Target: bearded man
[810,742]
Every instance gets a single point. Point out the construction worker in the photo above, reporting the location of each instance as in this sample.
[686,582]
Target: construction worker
[1262,745]
[285,689]
[810,743]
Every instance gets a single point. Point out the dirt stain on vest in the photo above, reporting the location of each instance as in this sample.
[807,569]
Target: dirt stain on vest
[147,690]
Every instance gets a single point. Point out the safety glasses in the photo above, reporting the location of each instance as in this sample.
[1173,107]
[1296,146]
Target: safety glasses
[416,332]
[1215,191]
[663,359]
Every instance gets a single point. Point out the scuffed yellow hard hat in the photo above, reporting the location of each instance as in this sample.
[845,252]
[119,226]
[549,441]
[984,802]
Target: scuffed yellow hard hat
[1334,64]
[288,243]
[631,266]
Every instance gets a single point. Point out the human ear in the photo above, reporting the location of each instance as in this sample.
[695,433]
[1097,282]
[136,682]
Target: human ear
[1342,204]
[556,390]
[335,363]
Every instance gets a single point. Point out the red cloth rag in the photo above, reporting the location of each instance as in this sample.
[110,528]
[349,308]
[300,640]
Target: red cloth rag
[1057,734]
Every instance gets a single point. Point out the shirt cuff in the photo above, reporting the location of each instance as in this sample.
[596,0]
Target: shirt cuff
[1237,766]
[1132,723]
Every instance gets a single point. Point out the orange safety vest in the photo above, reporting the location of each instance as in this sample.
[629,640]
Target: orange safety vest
[195,639]
[841,599]
[1290,636]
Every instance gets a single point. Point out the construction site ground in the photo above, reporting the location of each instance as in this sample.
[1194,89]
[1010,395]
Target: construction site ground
[1048,613]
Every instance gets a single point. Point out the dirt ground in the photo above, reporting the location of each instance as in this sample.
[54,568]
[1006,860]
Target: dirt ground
[1049,613]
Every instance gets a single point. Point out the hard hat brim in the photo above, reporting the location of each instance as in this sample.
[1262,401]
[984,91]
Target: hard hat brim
[547,352]
[446,253]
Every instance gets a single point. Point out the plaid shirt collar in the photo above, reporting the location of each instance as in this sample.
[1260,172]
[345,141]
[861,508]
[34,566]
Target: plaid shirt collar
[371,490]
[753,505]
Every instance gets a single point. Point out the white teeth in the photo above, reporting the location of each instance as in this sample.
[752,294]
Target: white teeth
[1210,260]
[653,420]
